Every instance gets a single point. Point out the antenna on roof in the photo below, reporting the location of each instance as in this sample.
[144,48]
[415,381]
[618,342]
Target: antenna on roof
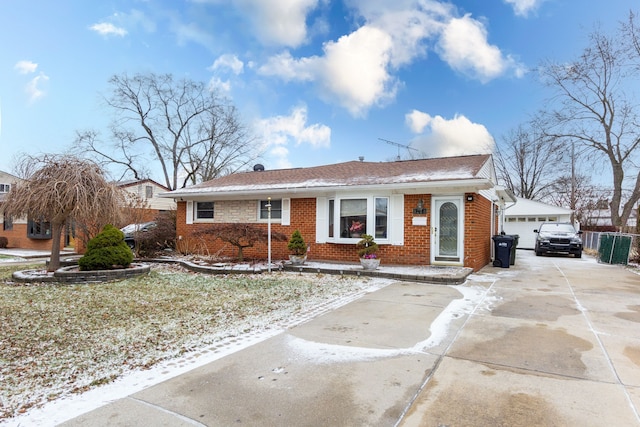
[406,147]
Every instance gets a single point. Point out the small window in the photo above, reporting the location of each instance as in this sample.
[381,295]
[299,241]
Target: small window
[7,224]
[522,219]
[276,209]
[531,219]
[38,229]
[382,215]
[511,219]
[332,204]
[553,219]
[204,210]
[5,188]
[148,191]
[542,219]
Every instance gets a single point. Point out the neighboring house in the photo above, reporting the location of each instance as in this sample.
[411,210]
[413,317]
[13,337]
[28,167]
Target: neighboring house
[527,215]
[144,195]
[432,211]
[602,218]
[22,232]
[28,234]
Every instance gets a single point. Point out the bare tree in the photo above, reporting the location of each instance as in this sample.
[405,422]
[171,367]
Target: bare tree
[526,161]
[595,107]
[181,128]
[577,193]
[63,189]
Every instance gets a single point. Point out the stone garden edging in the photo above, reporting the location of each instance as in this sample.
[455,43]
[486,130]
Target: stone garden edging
[71,274]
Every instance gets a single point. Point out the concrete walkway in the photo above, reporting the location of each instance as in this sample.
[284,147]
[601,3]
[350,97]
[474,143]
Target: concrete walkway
[549,341]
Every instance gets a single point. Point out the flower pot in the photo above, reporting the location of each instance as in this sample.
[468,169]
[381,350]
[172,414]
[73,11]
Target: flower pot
[370,263]
[297,259]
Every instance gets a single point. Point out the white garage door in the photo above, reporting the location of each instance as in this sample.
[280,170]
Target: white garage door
[524,226]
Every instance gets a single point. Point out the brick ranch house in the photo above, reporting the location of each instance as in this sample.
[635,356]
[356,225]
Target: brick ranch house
[440,211]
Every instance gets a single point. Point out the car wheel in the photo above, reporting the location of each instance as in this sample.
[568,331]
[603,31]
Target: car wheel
[538,253]
[578,254]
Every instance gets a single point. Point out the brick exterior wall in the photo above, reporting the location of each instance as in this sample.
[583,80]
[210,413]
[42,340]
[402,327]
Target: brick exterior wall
[477,243]
[415,251]
[17,238]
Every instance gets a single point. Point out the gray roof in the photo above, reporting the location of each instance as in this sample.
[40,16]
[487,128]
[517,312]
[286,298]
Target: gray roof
[463,169]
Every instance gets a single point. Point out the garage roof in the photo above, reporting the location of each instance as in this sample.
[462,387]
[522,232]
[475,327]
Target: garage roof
[524,207]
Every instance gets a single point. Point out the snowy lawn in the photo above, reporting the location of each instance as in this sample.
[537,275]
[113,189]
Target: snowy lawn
[57,340]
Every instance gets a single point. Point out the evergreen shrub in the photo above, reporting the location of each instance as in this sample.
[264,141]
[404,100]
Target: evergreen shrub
[106,251]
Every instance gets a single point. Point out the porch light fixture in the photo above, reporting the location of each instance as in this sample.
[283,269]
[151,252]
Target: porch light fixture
[420,209]
[469,197]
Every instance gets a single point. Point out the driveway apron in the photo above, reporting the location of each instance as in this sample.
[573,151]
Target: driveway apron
[549,341]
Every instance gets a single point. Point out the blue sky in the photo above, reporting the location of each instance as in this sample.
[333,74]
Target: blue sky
[318,81]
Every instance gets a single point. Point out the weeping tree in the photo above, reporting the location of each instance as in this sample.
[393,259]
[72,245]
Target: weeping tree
[63,189]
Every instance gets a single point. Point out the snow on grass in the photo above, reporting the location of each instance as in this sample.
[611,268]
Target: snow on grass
[60,340]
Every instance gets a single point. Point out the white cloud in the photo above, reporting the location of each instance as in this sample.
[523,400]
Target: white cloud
[455,137]
[25,67]
[464,46]
[191,32]
[352,71]
[280,22]
[523,7]
[228,61]
[357,71]
[35,88]
[108,29]
[280,131]
[417,120]
[219,85]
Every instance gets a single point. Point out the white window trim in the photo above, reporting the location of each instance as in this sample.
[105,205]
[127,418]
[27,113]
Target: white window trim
[283,214]
[194,216]
[395,226]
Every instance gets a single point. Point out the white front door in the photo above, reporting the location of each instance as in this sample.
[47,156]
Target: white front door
[447,231]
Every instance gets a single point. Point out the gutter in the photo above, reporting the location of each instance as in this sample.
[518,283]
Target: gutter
[417,187]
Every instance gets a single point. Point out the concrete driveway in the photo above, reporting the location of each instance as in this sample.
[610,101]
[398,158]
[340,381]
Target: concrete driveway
[549,341]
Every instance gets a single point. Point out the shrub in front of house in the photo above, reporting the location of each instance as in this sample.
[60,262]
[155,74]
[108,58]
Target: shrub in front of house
[159,238]
[296,245]
[106,251]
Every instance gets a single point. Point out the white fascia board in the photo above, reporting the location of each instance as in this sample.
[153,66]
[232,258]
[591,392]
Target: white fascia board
[436,187]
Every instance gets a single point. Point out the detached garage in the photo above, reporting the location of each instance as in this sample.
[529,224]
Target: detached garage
[526,215]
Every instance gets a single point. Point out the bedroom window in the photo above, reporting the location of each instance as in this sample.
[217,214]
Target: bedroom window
[204,210]
[276,209]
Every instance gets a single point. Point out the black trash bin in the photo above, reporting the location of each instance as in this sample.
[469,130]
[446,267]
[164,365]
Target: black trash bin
[502,245]
[516,238]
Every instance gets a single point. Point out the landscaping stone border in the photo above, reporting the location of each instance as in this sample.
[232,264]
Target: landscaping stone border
[71,274]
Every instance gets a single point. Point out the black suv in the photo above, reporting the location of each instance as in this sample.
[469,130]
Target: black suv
[558,237]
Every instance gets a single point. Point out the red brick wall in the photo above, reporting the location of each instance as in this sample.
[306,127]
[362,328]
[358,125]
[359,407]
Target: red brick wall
[17,237]
[415,251]
[477,242]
